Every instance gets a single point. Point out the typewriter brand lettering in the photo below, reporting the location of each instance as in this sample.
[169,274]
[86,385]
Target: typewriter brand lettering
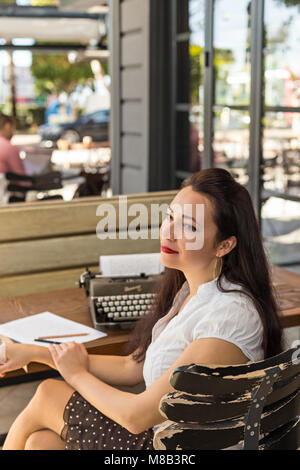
[128,289]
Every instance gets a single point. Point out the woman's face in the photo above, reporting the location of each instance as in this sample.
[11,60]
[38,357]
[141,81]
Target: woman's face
[187,234]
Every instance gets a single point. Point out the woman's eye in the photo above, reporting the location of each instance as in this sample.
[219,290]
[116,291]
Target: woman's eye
[190,227]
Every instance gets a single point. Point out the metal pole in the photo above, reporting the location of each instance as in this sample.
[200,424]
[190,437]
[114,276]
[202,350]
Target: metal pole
[173,89]
[207,160]
[256,104]
[115,119]
[13,96]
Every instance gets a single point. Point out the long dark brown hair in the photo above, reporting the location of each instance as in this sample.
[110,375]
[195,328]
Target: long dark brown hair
[245,265]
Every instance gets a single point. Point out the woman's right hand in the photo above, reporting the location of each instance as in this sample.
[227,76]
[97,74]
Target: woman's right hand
[17,356]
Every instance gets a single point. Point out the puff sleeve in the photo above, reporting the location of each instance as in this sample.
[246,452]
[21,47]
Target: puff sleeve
[235,320]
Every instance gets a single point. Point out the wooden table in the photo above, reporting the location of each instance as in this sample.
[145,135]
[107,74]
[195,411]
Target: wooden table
[68,303]
[72,304]
[287,287]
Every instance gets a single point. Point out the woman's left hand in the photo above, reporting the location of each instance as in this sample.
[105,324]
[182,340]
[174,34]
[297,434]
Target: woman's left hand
[71,359]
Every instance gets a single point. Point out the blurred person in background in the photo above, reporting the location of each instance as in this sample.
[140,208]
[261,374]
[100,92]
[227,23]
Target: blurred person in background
[10,160]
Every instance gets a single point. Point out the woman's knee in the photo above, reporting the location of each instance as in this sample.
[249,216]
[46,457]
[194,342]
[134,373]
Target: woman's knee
[45,391]
[47,386]
[44,440]
[48,404]
[34,441]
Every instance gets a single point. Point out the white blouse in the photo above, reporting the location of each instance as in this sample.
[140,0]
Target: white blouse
[210,313]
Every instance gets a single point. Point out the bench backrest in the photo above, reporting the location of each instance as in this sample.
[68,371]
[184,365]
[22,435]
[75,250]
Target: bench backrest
[46,245]
[256,405]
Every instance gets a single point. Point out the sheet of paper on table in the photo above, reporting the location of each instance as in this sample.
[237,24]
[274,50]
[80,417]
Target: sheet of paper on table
[27,329]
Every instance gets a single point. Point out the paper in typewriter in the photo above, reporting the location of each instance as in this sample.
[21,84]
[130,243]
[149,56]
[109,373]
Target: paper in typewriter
[131,265]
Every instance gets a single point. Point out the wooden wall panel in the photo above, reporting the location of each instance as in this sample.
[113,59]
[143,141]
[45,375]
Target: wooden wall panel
[47,246]
[133,86]
[35,221]
[66,252]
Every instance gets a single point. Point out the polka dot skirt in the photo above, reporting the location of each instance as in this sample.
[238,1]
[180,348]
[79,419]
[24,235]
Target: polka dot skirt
[86,428]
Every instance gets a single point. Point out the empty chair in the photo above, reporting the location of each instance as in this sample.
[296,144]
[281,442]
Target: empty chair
[255,406]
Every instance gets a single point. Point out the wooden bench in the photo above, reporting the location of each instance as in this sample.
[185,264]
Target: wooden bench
[45,246]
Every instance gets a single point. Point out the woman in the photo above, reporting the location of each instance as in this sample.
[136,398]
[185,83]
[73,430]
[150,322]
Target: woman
[215,305]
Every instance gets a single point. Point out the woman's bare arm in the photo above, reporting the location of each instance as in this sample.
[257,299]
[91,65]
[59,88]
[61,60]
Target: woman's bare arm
[138,412]
[113,370]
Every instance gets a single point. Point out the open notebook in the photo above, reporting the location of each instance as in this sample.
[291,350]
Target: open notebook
[26,330]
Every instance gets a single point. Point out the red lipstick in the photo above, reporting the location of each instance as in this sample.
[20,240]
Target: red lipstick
[165,249]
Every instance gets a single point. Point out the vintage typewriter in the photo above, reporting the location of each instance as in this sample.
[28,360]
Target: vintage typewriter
[117,302]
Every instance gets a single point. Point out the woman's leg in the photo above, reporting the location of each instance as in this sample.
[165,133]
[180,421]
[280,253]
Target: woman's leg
[44,440]
[43,412]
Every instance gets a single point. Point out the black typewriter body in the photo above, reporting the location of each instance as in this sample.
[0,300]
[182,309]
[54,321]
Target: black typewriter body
[117,302]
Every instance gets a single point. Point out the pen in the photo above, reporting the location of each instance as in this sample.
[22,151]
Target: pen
[46,341]
[63,336]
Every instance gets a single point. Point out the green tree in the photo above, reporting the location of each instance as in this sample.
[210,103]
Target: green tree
[223,58]
[196,68]
[54,74]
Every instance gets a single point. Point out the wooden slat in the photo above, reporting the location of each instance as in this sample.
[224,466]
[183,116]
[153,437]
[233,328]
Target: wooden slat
[176,434]
[281,413]
[66,252]
[132,50]
[132,149]
[219,380]
[58,218]
[286,437]
[41,282]
[45,246]
[132,15]
[283,388]
[181,407]
[133,179]
[133,117]
[133,86]
[222,384]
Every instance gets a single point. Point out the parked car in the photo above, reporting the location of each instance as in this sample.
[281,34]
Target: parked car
[94,124]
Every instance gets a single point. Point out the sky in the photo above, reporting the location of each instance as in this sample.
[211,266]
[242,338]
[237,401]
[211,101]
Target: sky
[20,58]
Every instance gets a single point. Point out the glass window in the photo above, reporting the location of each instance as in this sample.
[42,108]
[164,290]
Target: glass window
[281,132]
[190,78]
[277,154]
[231,142]
[232,70]
[282,45]
[281,151]
[232,52]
